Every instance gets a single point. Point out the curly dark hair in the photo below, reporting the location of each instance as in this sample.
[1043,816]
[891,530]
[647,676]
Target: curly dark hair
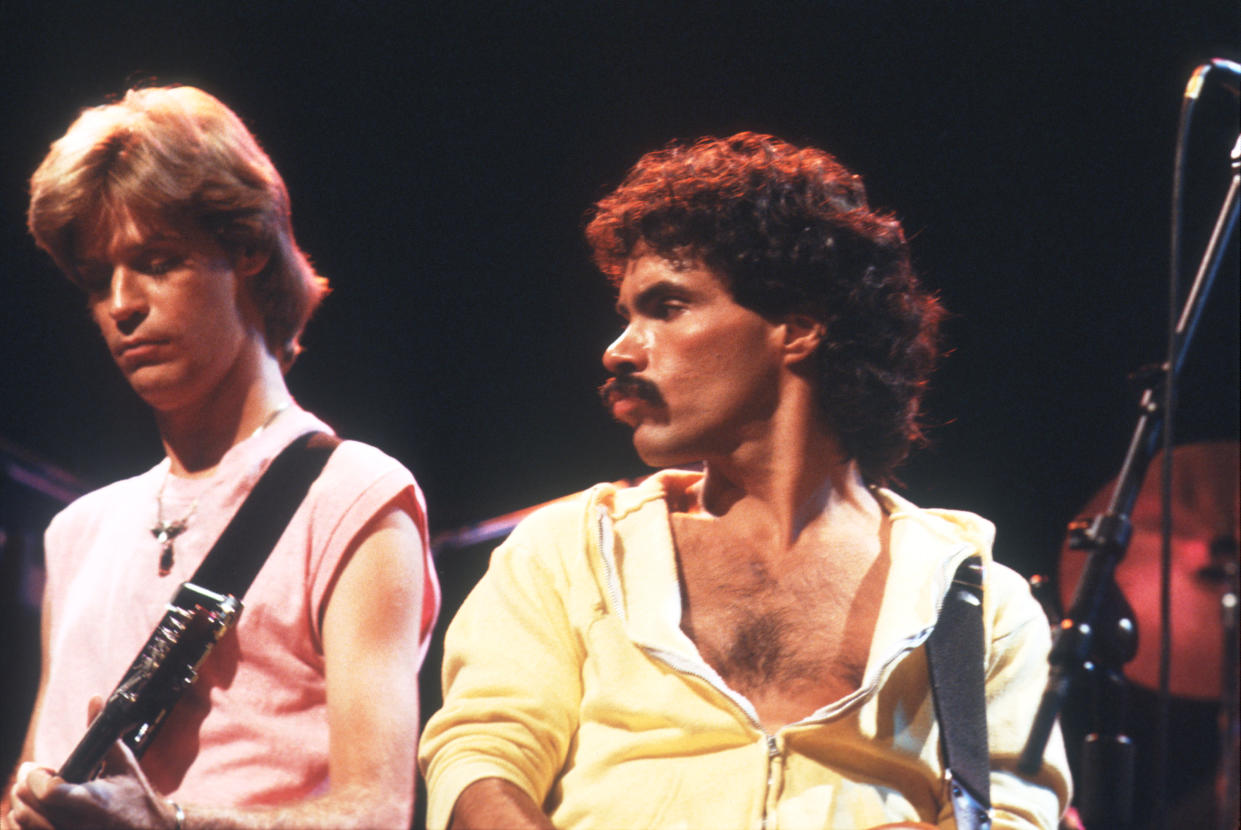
[789,229]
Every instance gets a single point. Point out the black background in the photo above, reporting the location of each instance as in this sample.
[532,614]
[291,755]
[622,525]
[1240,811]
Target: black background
[441,161]
[441,158]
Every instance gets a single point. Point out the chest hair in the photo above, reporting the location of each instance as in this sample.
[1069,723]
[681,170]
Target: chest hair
[797,633]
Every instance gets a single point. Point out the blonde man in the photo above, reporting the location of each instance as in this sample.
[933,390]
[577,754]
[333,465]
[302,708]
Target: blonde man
[165,211]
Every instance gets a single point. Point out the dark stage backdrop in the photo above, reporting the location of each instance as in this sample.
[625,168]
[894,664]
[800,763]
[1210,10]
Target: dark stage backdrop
[441,158]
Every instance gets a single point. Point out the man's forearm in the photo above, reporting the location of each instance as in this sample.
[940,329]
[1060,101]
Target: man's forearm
[494,803]
[129,801]
[343,811]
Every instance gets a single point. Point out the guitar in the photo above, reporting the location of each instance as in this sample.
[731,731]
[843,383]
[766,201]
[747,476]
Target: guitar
[167,665]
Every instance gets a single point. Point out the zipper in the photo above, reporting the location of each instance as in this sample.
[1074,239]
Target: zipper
[903,647]
[708,675]
[773,752]
[674,661]
[609,561]
[678,663]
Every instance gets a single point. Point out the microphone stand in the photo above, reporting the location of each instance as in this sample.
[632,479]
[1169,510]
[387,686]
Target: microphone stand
[1227,783]
[1098,610]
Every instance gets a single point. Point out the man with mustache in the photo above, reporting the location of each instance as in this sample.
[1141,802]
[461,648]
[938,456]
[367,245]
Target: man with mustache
[165,211]
[742,646]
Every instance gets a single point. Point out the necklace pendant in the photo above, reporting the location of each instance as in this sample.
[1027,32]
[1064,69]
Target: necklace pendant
[165,559]
[165,532]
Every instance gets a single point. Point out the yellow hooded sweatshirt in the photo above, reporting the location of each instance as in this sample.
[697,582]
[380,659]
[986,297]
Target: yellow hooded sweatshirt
[566,673]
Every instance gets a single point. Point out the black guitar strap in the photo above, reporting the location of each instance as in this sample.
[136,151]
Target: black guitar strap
[954,654]
[202,610]
[242,549]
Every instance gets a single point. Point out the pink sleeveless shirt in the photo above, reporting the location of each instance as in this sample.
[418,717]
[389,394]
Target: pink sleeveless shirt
[253,730]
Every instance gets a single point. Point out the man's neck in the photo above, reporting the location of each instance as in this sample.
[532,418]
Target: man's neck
[787,491]
[804,541]
[196,438]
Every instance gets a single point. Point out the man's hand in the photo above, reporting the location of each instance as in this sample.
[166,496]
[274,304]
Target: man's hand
[25,798]
[122,799]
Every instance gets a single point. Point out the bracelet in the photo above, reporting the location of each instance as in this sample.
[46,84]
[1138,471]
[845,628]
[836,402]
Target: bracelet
[178,815]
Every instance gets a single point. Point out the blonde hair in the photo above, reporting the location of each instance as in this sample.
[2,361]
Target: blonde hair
[178,155]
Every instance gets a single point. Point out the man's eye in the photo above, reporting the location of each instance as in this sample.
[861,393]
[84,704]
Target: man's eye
[159,265]
[669,308]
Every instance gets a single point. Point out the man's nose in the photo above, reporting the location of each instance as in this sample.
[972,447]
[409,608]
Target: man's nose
[626,354]
[127,300]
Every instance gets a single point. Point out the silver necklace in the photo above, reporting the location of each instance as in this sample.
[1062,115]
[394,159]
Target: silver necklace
[166,531]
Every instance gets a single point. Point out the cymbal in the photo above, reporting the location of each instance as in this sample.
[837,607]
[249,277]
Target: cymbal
[1206,513]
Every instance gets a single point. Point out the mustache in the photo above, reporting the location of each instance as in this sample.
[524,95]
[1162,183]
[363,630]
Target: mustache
[628,386]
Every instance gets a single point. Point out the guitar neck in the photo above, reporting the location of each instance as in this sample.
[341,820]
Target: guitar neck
[166,666]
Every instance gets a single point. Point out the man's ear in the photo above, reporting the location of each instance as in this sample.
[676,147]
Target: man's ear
[802,335]
[247,263]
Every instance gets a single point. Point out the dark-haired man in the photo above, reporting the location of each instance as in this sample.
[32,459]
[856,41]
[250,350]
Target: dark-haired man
[165,211]
[742,646]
